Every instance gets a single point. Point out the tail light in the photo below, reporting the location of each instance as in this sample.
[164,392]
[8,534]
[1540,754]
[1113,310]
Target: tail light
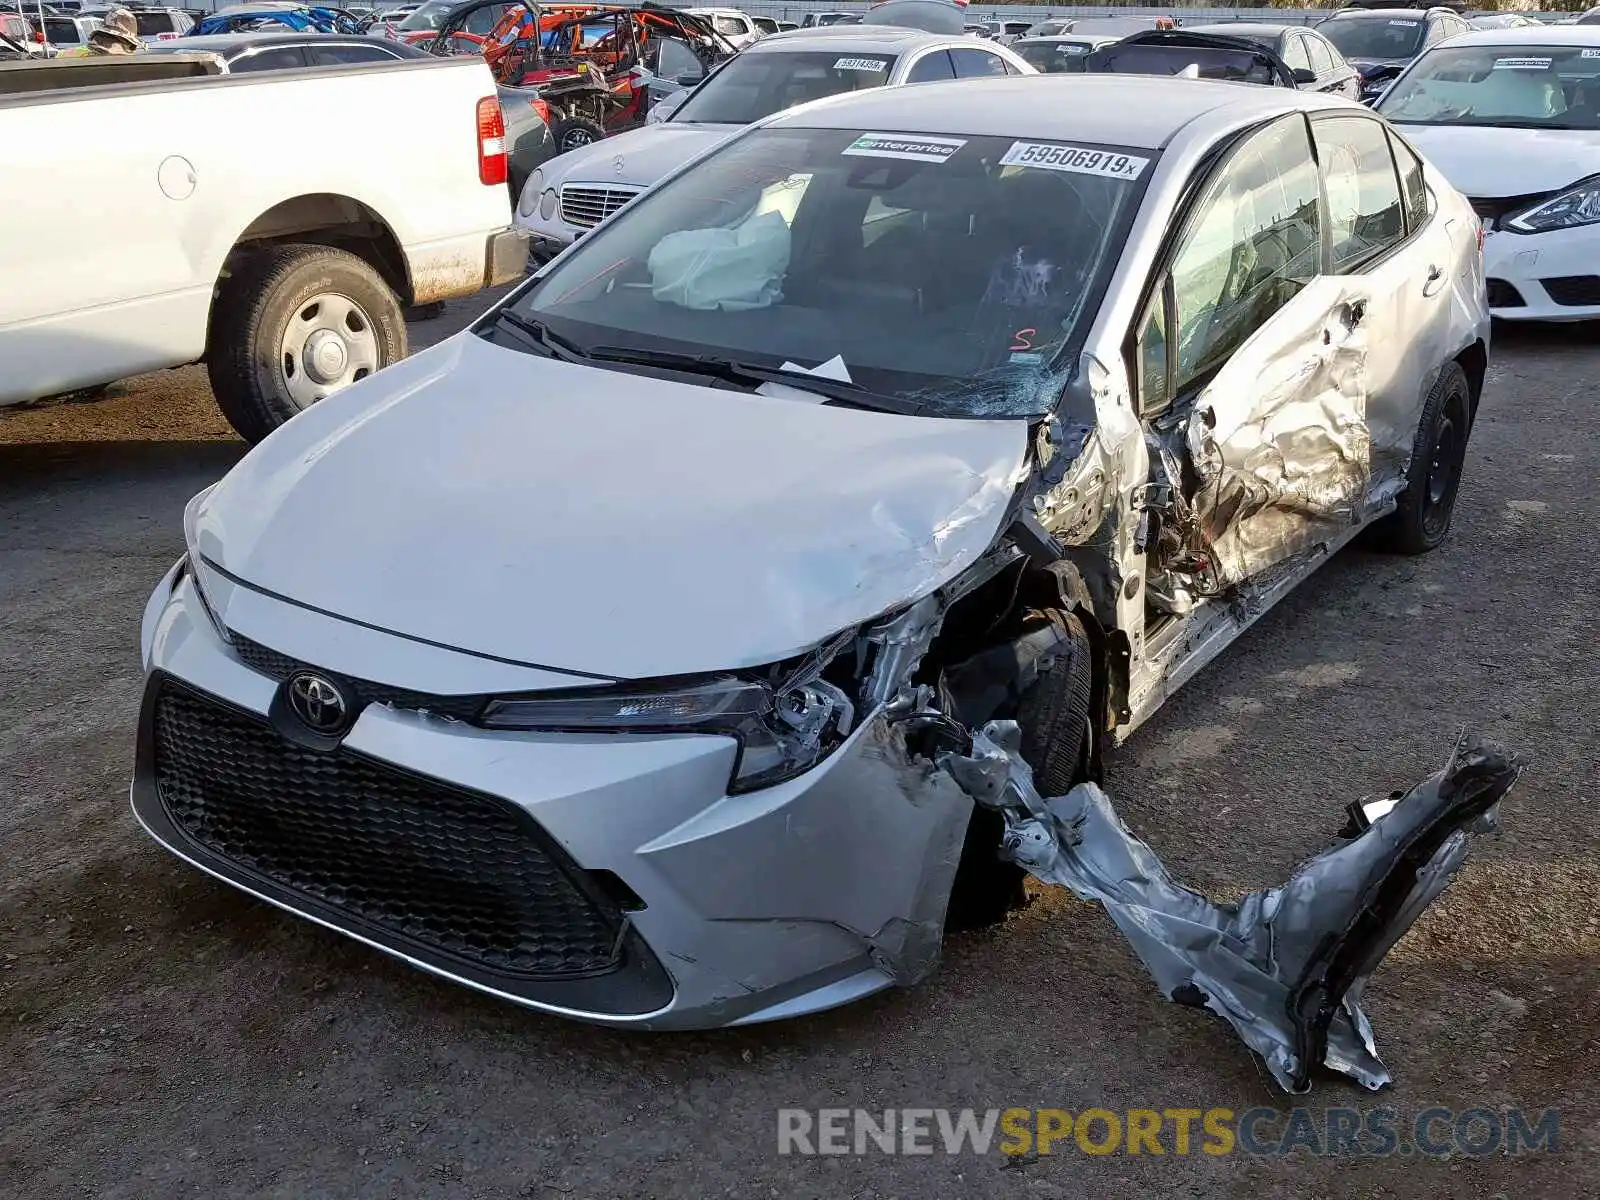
[38,36]
[540,107]
[491,142]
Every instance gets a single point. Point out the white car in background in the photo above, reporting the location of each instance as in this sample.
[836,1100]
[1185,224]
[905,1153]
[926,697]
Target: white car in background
[574,192]
[1512,119]
[739,28]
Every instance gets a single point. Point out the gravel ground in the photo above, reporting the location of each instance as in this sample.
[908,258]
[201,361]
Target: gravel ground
[163,1034]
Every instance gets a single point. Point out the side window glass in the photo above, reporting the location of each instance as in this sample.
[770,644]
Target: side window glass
[338,56]
[1294,53]
[1321,58]
[970,63]
[281,58]
[931,67]
[1363,193]
[1254,245]
[1413,189]
[677,61]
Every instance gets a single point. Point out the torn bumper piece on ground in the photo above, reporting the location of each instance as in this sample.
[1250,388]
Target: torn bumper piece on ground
[1285,966]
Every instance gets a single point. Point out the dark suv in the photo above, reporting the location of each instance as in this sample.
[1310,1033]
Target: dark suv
[1381,42]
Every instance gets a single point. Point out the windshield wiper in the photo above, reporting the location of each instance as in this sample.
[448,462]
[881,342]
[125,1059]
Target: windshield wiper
[552,343]
[751,376]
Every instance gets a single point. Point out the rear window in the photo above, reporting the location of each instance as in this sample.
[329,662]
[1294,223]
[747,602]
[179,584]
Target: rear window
[152,23]
[1237,66]
[61,31]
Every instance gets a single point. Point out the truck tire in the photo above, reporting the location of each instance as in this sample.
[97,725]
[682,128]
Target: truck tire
[573,132]
[1422,519]
[293,324]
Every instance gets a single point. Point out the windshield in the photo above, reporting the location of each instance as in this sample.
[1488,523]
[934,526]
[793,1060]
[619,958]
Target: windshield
[757,85]
[430,16]
[1536,87]
[942,274]
[1053,56]
[1375,36]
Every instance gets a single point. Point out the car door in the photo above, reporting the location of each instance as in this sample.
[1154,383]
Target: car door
[1399,259]
[1250,370]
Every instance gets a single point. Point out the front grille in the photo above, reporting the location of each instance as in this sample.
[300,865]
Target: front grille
[1493,208]
[588,206]
[361,692]
[1573,290]
[1503,295]
[465,875]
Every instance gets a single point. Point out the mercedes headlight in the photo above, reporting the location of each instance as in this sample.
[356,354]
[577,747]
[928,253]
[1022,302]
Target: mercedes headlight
[1578,205]
[782,732]
[530,193]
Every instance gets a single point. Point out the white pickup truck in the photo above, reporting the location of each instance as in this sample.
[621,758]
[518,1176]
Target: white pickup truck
[154,213]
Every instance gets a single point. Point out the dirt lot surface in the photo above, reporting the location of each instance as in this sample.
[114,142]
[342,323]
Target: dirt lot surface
[164,1035]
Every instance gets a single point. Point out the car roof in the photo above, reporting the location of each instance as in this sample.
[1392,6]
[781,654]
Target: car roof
[884,39]
[1547,35]
[1118,110]
[1043,38]
[1397,14]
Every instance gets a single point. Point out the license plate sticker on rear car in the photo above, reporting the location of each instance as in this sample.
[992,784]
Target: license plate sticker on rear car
[860,64]
[1590,54]
[1080,160]
[1522,64]
[904,145]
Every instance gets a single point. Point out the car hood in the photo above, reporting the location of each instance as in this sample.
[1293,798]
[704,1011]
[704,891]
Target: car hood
[589,520]
[641,157]
[1373,66]
[1481,161]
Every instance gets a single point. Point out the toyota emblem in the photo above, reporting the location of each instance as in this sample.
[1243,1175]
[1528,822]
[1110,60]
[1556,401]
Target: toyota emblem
[318,703]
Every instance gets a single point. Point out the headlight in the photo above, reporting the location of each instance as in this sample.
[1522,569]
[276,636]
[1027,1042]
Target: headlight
[530,193]
[779,735]
[547,204]
[193,570]
[1578,205]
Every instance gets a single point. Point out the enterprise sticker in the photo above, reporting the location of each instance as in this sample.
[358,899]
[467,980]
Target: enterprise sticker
[860,64]
[1522,64]
[902,145]
[1053,156]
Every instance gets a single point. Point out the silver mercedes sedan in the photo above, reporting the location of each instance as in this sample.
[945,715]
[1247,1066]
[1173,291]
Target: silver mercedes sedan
[607,656]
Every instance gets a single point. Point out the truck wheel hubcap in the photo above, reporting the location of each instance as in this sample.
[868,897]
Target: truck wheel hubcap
[328,343]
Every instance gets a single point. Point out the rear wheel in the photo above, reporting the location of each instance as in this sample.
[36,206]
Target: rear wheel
[294,324]
[571,133]
[1422,519]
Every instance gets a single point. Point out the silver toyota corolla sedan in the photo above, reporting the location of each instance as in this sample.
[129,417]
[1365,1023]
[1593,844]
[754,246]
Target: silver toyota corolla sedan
[605,657]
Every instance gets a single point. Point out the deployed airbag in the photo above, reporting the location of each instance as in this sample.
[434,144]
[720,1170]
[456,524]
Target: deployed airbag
[1285,966]
[730,268]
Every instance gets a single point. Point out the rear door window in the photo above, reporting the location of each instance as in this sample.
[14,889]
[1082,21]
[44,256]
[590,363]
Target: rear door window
[971,63]
[1321,55]
[931,67]
[1413,187]
[1294,53]
[347,55]
[279,58]
[1364,210]
[152,23]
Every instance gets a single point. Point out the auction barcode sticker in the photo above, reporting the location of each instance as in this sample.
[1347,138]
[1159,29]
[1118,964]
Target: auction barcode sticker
[860,64]
[1071,48]
[1522,64]
[1406,24]
[904,145]
[1054,156]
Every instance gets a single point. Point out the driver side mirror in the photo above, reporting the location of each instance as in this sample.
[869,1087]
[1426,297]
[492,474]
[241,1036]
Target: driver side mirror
[691,79]
[1304,75]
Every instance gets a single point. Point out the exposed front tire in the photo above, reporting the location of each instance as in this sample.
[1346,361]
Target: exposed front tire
[293,324]
[1054,717]
[1426,507]
[571,133]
